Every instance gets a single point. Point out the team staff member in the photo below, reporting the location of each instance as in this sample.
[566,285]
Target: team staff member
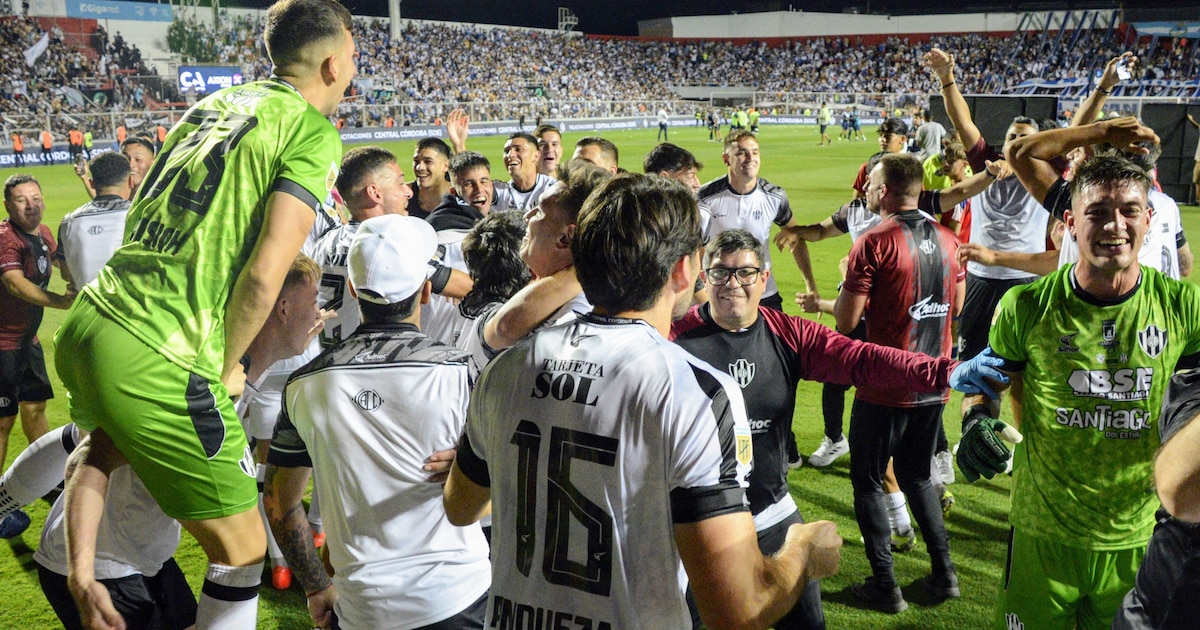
[742,200]
[1093,346]
[27,250]
[47,147]
[18,144]
[904,276]
[398,562]
[767,353]
[666,454]
[176,307]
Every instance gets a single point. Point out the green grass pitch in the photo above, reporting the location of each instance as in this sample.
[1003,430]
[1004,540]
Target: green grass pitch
[818,181]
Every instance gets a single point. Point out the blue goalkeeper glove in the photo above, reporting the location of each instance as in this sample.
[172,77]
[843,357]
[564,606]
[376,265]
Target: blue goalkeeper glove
[982,451]
[969,376]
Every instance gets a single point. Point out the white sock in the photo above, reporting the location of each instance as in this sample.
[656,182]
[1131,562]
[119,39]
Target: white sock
[314,510]
[229,598]
[37,470]
[898,512]
[273,550]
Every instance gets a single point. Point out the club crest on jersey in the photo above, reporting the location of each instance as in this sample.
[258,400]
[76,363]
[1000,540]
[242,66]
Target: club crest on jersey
[745,451]
[1108,333]
[742,371]
[96,230]
[1152,340]
[927,247]
[368,400]
[43,264]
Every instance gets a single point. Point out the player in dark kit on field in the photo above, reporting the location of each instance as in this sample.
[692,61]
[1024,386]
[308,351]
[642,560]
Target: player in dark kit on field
[768,353]
[904,275]
[27,251]
[655,474]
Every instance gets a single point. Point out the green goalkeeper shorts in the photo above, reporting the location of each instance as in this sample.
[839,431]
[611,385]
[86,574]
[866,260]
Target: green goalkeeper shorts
[178,431]
[1050,586]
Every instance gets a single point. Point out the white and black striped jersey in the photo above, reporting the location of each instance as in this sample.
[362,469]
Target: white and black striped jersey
[334,293]
[472,339]
[509,198]
[364,415]
[596,437]
[88,237]
[753,212]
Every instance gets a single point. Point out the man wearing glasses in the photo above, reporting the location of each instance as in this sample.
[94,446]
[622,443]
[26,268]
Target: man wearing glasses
[768,353]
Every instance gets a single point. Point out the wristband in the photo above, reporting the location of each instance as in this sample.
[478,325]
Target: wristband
[1103,91]
[990,174]
[946,85]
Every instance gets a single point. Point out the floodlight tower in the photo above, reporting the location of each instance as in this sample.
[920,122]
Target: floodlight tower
[566,19]
[394,18]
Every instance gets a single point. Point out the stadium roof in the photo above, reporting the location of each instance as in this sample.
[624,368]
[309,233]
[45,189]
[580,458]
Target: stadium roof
[620,17]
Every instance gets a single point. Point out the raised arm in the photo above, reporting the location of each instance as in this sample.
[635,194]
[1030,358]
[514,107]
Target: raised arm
[457,129]
[941,64]
[1089,110]
[1030,156]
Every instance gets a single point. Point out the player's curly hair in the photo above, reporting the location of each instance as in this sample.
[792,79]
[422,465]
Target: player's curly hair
[492,252]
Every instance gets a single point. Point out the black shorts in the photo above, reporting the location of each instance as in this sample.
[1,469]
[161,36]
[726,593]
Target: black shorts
[162,602]
[23,378]
[979,308]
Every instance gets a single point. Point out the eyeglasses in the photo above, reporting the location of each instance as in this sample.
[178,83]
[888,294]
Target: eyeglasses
[719,276]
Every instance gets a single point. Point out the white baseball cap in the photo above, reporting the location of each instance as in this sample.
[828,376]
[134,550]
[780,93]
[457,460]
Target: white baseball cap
[390,258]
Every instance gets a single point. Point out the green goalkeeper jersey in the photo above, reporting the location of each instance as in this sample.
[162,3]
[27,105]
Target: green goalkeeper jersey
[1094,376]
[199,211]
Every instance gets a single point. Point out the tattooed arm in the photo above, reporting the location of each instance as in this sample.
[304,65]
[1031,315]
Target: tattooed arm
[283,492]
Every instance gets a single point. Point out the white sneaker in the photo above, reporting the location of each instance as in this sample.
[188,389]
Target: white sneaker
[828,451]
[945,466]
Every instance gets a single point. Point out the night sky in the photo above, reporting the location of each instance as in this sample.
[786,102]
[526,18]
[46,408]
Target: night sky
[620,17]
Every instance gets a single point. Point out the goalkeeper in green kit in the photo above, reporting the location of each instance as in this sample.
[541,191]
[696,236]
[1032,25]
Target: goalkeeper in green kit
[1089,349]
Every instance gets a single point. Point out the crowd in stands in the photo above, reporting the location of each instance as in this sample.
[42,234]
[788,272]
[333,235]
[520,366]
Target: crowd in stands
[565,74]
[509,73]
[31,95]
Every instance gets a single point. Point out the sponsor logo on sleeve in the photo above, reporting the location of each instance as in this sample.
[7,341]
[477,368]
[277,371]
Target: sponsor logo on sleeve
[745,452]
